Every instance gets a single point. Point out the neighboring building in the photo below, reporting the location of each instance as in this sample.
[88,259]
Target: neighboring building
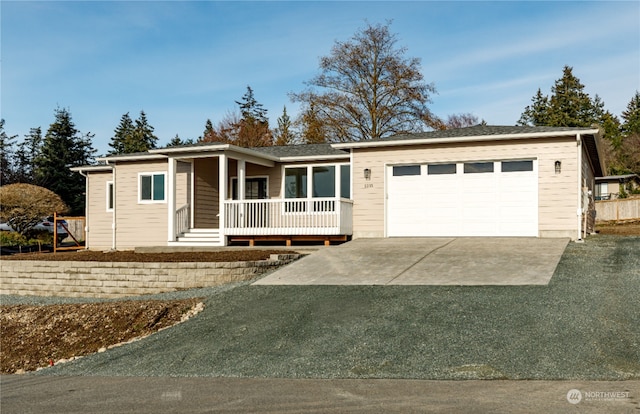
[610,187]
[477,181]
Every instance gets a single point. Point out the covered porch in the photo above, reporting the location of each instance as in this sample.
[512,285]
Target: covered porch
[228,194]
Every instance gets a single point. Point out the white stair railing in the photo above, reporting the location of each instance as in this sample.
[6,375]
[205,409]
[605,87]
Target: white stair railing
[182,219]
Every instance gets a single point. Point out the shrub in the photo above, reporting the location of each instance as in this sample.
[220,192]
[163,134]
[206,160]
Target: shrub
[24,205]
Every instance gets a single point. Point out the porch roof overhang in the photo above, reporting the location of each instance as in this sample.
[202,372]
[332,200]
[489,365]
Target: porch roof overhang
[200,151]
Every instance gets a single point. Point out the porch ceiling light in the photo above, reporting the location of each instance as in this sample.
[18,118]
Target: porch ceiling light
[367,174]
[558,166]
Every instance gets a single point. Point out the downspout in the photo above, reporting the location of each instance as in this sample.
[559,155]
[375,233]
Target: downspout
[579,188]
[113,213]
[86,209]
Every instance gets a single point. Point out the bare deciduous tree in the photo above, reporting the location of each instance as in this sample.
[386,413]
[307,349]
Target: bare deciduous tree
[367,88]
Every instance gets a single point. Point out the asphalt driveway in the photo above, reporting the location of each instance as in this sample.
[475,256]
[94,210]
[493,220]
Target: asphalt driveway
[427,261]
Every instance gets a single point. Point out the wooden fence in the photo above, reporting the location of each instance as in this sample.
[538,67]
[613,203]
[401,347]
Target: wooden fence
[618,210]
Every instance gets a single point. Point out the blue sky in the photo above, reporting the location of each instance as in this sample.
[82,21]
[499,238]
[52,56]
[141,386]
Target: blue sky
[183,62]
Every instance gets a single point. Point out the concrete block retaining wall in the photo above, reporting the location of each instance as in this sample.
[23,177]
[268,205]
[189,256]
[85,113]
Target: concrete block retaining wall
[119,279]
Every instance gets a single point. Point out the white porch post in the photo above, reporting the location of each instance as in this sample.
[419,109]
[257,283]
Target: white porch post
[222,192]
[242,175]
[171,200]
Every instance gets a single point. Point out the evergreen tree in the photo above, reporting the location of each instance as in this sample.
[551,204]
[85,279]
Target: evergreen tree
[569,105]
[209,133]
[253,126]
[284,134]
[123,135]
[6,156]
[177,142]
[28,152]
[537,113]
[64,147]
[143,137]
[631,116]
[130,137]
[250,108]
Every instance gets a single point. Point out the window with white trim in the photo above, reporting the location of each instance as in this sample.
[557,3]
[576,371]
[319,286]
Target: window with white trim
[316,181]
[110,195]
[151,187]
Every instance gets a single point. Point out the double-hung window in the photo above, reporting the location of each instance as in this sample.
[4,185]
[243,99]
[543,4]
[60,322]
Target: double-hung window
[151,187]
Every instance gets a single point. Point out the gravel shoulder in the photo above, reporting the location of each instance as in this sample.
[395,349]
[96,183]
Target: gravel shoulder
[585,325]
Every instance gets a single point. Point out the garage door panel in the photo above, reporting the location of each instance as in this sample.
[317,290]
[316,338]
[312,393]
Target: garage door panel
[464,204]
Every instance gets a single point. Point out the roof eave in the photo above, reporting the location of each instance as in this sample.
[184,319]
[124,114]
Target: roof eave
[315,157]
[495,137]
[141,157]
[92,168]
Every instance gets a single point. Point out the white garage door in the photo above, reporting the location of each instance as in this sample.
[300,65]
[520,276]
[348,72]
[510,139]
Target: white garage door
[498,198]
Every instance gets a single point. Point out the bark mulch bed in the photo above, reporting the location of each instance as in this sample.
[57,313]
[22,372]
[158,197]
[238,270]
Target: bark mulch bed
[131,256]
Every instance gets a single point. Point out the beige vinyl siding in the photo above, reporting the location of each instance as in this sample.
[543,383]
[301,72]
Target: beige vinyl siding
[99,219]
[556,196]
[139,224]
[206,196]
[183,184]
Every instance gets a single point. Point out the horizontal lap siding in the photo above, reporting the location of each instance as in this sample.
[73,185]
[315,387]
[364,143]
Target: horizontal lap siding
[206,203]
[139,224]
[99,233]
[556,195]
[183,184]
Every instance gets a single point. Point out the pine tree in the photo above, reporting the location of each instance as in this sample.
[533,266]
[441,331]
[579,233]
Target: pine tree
[130,137]
[284,134]
[64,147]
[537,113]
[122,135]
[28,152]
[569,105]
[6,156]
[177,142]
[209,134]
[144,139]
[631,116]
[253,127]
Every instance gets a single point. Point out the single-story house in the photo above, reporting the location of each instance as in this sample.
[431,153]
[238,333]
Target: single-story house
[479,181]
[609,187]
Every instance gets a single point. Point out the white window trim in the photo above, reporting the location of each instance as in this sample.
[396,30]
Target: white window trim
[309,199]
[309,168]
[235,177]
[152,173]
[111,186]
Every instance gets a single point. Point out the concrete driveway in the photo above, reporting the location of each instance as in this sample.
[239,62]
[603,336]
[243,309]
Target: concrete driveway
[427,261]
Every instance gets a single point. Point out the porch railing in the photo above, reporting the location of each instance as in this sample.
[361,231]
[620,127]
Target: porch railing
[302,216]
[182,219]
